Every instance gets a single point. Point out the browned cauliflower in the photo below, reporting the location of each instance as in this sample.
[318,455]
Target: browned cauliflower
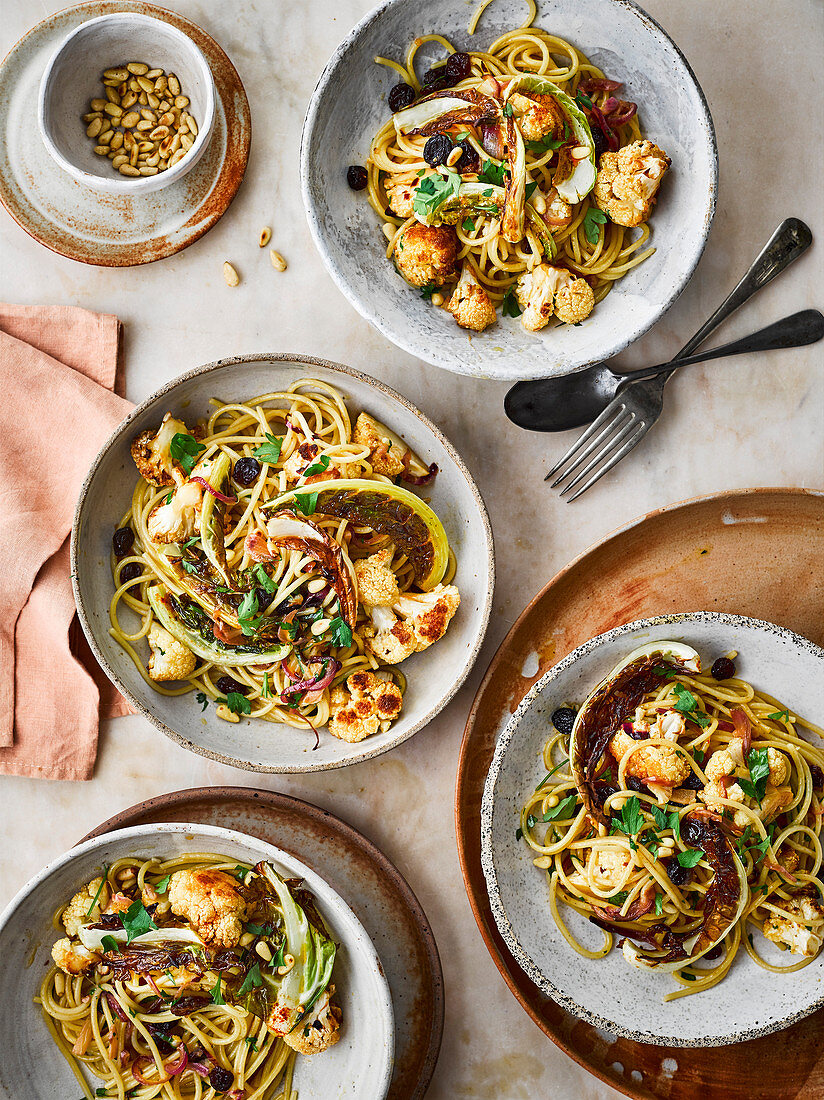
[427,254]
[370,704]
[547,289]
[558,213]
[659,763]
[377,584]
[80,909]
[319,1030]
[627,183]
[179,518]
[386,455]
[609,867]
[391,640]
[210,901]
[470,304]
[401,191]
[792,933]
[152,456]
[170,659]
[725,763]
[429,613]
[72,957]
[538,115]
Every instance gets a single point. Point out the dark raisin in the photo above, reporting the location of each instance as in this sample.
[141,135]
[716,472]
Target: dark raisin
[691,831]
[434,76]
[715,953]
[678,875]
[723,669]
[598,140]
[458,67]
[356,177]
[402,95]
[226,684]
[437,149]
[221,1079]
[246,471]
[129,571]
[692,783]
[563,720]
[122,541]
[264,598]
[817,775]
[469,161]
[635,784]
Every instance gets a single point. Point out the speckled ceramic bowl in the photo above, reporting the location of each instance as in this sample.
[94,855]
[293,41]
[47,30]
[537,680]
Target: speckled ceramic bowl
[32,1067]
[349,106]
[609,993]
[433,676]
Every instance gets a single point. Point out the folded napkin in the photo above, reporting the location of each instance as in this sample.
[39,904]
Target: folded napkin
[58,372]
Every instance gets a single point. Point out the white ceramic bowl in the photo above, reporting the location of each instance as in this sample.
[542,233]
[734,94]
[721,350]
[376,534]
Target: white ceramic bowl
[609,993]
[32,1067]
[72,78]
[433,675]
[349,105]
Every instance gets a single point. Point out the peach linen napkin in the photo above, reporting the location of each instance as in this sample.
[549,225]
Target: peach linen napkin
[58,374]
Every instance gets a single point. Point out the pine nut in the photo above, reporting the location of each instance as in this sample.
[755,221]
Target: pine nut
[539,202]
[317,584]
[263,240]
[190,122]
[117,140]
[320,627]
[160,84]
[98,104]
[128,100]
[153,99]
[148,115]
[229,273]
[142,100]
[579,152]
[128,170]
[101,150]
[113,109]
[187,142]
[105,138]
[146,84]
[116,74]
[91,116]
[145,146]
[178,154]
[153,160]
[454,156]
[148,171]
[181,101]
[166,119]
[145,125]
[159,133]
[112,97]
[137,68]
[278,262]
[437,299]
[246,939]
[153,74]
[121,158]
[133,152]
[59,983]
[173,84]
[262,949]
[93,129]
[129,120]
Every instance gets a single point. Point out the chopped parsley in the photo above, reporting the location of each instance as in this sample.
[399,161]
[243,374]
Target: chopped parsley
[136,921]
[690,857]
[266,693]
[184,449]
[341,632]
[509,306]
[564,808]
[263,579]
[747,842]
[629,820]
[427,291]
[306,503]
[203,699]
[217,993]
[549,775]
[593,220]
[493,173]
[109,943]
[759,768]
[688,977]
[168,499]
[664,820]
[250,1042]
[252,980]
[318,467]
[247,613]
[163,885]
[468,225]
[519,833]
[582,99]
[687,704]
[545,145]
[530,187]
[238,703]
[780,715]
[433,191]
[659,904]
[619,898]
[269,452]
[507,111]
[99,890]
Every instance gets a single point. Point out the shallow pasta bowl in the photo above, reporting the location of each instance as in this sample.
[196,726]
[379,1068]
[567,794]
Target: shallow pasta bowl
[349,106]
[32,1066]
[433,675]
[608,993]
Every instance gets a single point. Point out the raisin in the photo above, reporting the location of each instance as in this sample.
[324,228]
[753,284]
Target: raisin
[246,471]
[563,720]
[226,684]
[221,1079]
[692,783]
[817,775]
[723,669]
[402,95]
[458,67]
[130,571]
[122,541]
[598,140]
[678,875]
[437,149]
[469,160]
[635,784]
[357,177]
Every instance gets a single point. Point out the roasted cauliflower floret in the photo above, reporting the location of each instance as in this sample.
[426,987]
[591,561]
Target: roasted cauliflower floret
[559,212]
[320,1029]
[546,290]
[429,613]
[370,704]
[377,584]
[80,911]
[801,940]
[179,518]
[210,901]
[73,957]
[170,659]
[627,183]
[659,763]
[779,767]
[721,764]
[538,115]
[470,304]
[386,455]
[391,640]
[427,254]
[152,455]
[609,867]
[401,192]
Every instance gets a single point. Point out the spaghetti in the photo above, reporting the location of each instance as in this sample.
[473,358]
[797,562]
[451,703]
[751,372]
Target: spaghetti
[679,809]
[504,158]
[157,1003]
[276,565]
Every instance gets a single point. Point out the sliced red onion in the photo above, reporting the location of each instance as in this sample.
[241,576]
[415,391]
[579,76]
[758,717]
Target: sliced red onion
[116,1007]
[492,139]
[727,727]
[618,111]
[743,729]
[317,683]
[215,492]
[175,1068]
[410,479]
[608,132]
[599,84]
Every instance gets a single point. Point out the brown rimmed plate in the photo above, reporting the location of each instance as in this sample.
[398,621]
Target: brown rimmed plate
[371,885]
[757,552]
[103,229]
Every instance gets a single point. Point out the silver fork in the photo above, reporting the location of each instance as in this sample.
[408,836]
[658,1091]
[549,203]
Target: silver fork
[639,402]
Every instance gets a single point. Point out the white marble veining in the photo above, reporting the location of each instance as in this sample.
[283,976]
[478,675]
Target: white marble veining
[755,420]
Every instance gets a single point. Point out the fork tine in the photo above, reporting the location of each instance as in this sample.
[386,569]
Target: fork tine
[634,439]
[617,419]
[604,452]
[609,412]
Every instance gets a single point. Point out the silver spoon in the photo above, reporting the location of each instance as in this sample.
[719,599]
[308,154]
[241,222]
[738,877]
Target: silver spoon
[557,404]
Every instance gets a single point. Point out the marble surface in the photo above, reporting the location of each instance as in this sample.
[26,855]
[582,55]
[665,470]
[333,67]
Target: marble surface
[744,422]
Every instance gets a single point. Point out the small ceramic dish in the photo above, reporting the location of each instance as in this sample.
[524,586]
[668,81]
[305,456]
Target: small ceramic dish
[349,106]
[72,78]
[608,993]
[32,1067]
[433,676]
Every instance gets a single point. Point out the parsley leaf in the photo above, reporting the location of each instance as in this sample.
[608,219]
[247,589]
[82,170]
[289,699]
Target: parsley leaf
[507,112]
[509,306]
[659,816]
[468,225]
[690,857]
[252,980]
[238,703]
[217,994]
[780,715]
[266,693]
[427,291]
[263,579]
[582,99]
[530,187]
[759,767]
[519,833]
[318,467]
[593,219]
[493,173]
[269,452]
[109,943]
[659,904]
[250,1042]
[341,632]
[565,808]
[184,449]
[433,191]
[163,885]
[630,819]
[549,775]
[545,145]
[136,921]
[687,704]
[306,503]
[247,612]
[203,699]
[619,898]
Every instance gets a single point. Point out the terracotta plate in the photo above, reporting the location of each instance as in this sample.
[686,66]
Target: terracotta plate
[376,891]
[753,552]
[108,230]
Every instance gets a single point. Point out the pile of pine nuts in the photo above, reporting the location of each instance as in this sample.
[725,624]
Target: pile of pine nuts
[142,125]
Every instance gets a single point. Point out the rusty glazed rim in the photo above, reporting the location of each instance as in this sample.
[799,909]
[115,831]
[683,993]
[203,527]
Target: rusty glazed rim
[488,932]
[232,168]
[387,872]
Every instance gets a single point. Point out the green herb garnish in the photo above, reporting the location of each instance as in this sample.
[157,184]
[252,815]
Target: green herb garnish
[99,890]
[564,808]
[217,994]
[341,632]
[136,921]
[306,503]
[468,225]
[109,943]
[687,704]
[269,452]
[619,898]
[433,191]
[184,449]
[203,699]
[263,579]
[252,980]
[317,467]
[758,764]
[582,99]
[238,703]
[549,775]
[659,904]
[247,614]
[780,715]
[593,220]
[266,693]
[690,857]
[509,306]
[427,291]
[629,820]
[545,145]
[493,173]
[163,885]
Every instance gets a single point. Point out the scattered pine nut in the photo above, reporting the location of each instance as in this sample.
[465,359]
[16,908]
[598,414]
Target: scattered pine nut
[265,236]
[278,262]
[230,274]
